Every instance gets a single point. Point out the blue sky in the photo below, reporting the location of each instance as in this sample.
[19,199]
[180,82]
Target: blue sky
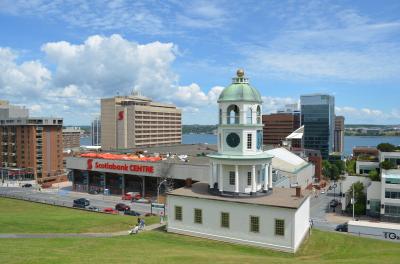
[59,57]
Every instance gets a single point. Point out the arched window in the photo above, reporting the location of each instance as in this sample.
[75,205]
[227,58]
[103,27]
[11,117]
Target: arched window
[232,114]
[220,116]
[258,114]
[249,116]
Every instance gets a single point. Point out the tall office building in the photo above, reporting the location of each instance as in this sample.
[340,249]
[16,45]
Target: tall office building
[31,145]
[339,134]
[135,121]
[96,132]
[278,126]
[318,118]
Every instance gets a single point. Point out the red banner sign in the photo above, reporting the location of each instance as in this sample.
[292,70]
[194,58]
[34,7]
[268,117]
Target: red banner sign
[120,167]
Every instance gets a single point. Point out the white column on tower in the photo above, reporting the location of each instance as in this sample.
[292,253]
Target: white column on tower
[236,178]
[253,179]
[270,175]
[266,171]
[221,179]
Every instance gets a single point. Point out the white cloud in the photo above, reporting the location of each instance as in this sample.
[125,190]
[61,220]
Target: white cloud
[273,104]
[321,41]
[368,115]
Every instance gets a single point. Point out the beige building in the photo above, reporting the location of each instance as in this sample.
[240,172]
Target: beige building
[135,121]
[339,134]
[71,137]
[32,145]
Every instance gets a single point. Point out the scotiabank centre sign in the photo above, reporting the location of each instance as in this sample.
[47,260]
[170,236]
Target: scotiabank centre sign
[120,167]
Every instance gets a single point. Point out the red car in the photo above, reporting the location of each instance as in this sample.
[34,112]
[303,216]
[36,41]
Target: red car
[122,207]
[127,197]
[110,210]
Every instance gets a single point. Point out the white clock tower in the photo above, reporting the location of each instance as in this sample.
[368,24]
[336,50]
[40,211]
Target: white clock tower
[241,167]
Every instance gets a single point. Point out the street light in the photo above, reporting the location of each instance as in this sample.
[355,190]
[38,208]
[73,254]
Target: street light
[158,189]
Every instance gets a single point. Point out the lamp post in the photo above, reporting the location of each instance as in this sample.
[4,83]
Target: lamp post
[354,201]
[158,189]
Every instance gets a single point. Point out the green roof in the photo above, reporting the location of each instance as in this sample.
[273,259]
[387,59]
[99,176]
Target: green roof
[240,92]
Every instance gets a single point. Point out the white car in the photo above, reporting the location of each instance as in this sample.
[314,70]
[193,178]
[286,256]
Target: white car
[322,192]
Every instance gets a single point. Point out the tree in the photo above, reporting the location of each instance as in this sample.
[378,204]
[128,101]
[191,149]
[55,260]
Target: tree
[360,199]
[374,175]
[351,167]
[386,147]
[340,165]
[330,170]
[387,165]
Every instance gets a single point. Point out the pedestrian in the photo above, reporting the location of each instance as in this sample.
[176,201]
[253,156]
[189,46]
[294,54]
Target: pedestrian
[142,224]
[138,221]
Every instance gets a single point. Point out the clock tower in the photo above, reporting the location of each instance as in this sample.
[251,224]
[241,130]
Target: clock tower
[241,167]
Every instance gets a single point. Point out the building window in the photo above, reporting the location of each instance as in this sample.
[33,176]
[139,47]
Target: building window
[249,140]
[392,194]
[392,210]
[249,178]
[279,227]
[254,224]
[225,220]
[232,178]
[249,116]
[178,213]
[198,219]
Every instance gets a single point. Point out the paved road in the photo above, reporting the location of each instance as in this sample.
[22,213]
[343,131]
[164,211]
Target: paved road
[319,207]
[65,197]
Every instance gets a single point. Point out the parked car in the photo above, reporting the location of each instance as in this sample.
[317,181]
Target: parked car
[26,185]
[110,210]
[94,208]
[122,207]
[81,203]
[126,197]
[342,227]
[132,213]
[134,195]
[333,203]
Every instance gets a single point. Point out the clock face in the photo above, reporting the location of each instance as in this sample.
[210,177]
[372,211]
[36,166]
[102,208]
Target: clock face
[233,140]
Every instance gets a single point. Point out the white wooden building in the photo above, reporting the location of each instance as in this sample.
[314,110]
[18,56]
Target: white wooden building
[238,203]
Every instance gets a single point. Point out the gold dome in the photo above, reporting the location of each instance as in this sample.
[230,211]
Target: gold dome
[240,73]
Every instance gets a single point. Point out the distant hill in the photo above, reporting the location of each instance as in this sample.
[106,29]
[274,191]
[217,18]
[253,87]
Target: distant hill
[198,129]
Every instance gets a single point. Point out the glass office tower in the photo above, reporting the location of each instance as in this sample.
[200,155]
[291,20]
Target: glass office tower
[318,118]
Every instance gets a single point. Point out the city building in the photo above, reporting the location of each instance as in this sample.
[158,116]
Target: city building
[134,121]
[278,126]
[8,111]
[365,151]
[383,198]
[133,171]
[318,118]
[71,137]
[96,132]
[31,146]
[339,134]
[238,202]
[295,139]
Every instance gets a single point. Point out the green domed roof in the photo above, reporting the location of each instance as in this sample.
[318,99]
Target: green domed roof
[240,90]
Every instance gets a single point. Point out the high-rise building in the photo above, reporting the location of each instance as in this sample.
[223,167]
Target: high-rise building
[339,134]
[12,111]
[318,118]
[71,137]
[134,121]
[96,132]
[278,126]
[31,144]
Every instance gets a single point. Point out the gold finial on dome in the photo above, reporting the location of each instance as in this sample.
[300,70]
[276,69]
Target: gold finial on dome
[240,73]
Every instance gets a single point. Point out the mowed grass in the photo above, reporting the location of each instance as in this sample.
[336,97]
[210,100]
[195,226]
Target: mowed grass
[27,217]
[161,247]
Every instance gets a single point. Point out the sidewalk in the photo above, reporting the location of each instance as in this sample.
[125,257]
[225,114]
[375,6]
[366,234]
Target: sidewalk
[62,235]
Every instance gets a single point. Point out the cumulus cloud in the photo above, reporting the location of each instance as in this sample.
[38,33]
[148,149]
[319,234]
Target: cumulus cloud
[273,104]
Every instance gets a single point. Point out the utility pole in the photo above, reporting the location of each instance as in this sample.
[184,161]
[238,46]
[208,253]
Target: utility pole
[158,189]
[354,201]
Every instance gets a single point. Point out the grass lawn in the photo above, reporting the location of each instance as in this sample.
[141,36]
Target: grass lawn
[158,246]
[161,247]
[27,217]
